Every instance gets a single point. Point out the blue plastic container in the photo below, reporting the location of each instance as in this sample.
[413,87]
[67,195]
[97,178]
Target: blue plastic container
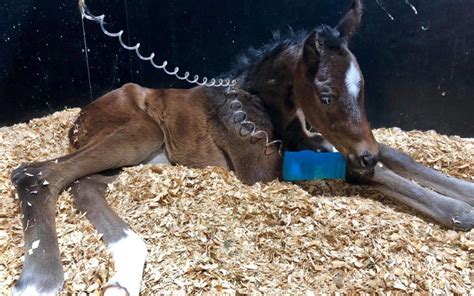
[310,165]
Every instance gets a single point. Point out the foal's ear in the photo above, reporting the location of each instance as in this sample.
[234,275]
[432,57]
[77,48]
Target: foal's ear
[351,21]
[312,50]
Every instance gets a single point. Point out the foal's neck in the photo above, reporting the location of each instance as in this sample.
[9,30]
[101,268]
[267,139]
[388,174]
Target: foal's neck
[272,81]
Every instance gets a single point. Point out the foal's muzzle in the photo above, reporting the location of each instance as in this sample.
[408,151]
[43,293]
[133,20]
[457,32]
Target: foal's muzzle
[365,161]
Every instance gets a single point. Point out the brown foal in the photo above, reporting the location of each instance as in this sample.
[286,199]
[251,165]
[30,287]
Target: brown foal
[281,92]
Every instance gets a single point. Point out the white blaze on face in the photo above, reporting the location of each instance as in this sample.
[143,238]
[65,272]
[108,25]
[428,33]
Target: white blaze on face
[353,80]
[353,84]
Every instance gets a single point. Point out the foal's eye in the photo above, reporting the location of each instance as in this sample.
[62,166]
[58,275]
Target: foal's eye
[326,99]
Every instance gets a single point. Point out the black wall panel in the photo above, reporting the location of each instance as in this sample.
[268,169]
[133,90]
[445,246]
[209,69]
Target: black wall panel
[419,68]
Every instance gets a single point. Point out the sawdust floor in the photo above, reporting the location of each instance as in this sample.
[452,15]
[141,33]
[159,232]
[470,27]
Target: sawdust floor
[207,232]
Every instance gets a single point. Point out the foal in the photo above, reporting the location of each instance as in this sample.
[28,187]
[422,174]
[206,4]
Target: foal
[307,79]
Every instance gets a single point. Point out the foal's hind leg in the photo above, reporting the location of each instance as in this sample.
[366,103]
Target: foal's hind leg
[127,248]
[38,185]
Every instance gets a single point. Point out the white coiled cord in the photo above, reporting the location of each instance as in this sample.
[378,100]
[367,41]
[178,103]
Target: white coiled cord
[230,84]
[254,132]
[185,77]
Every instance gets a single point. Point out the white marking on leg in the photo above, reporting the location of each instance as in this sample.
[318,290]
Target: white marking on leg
[115,291]
[31,290]
[34,246]
[159,158]
[129,254]
[302,119]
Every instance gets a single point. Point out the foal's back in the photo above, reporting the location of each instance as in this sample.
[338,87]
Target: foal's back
[200,126]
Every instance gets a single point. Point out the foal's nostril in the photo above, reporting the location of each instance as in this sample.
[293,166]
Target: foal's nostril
[367,160]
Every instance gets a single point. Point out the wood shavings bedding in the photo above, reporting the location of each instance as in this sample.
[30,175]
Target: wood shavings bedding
[207,232]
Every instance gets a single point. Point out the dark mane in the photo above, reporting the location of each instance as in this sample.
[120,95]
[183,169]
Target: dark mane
[256,56]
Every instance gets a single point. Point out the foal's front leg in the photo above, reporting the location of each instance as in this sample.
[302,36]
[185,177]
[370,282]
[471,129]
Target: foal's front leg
[405,166]
[297,138]
[445,210]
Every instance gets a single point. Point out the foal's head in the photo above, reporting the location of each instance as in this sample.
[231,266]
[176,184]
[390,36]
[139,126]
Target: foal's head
[329,89]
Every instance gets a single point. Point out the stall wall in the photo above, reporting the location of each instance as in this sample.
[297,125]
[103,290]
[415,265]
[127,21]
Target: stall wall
[418,67]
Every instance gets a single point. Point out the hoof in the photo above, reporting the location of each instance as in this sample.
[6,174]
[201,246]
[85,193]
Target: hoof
[31,291]
[464,221]
[27,176]
[33,181]
[115,290]
[29,285]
